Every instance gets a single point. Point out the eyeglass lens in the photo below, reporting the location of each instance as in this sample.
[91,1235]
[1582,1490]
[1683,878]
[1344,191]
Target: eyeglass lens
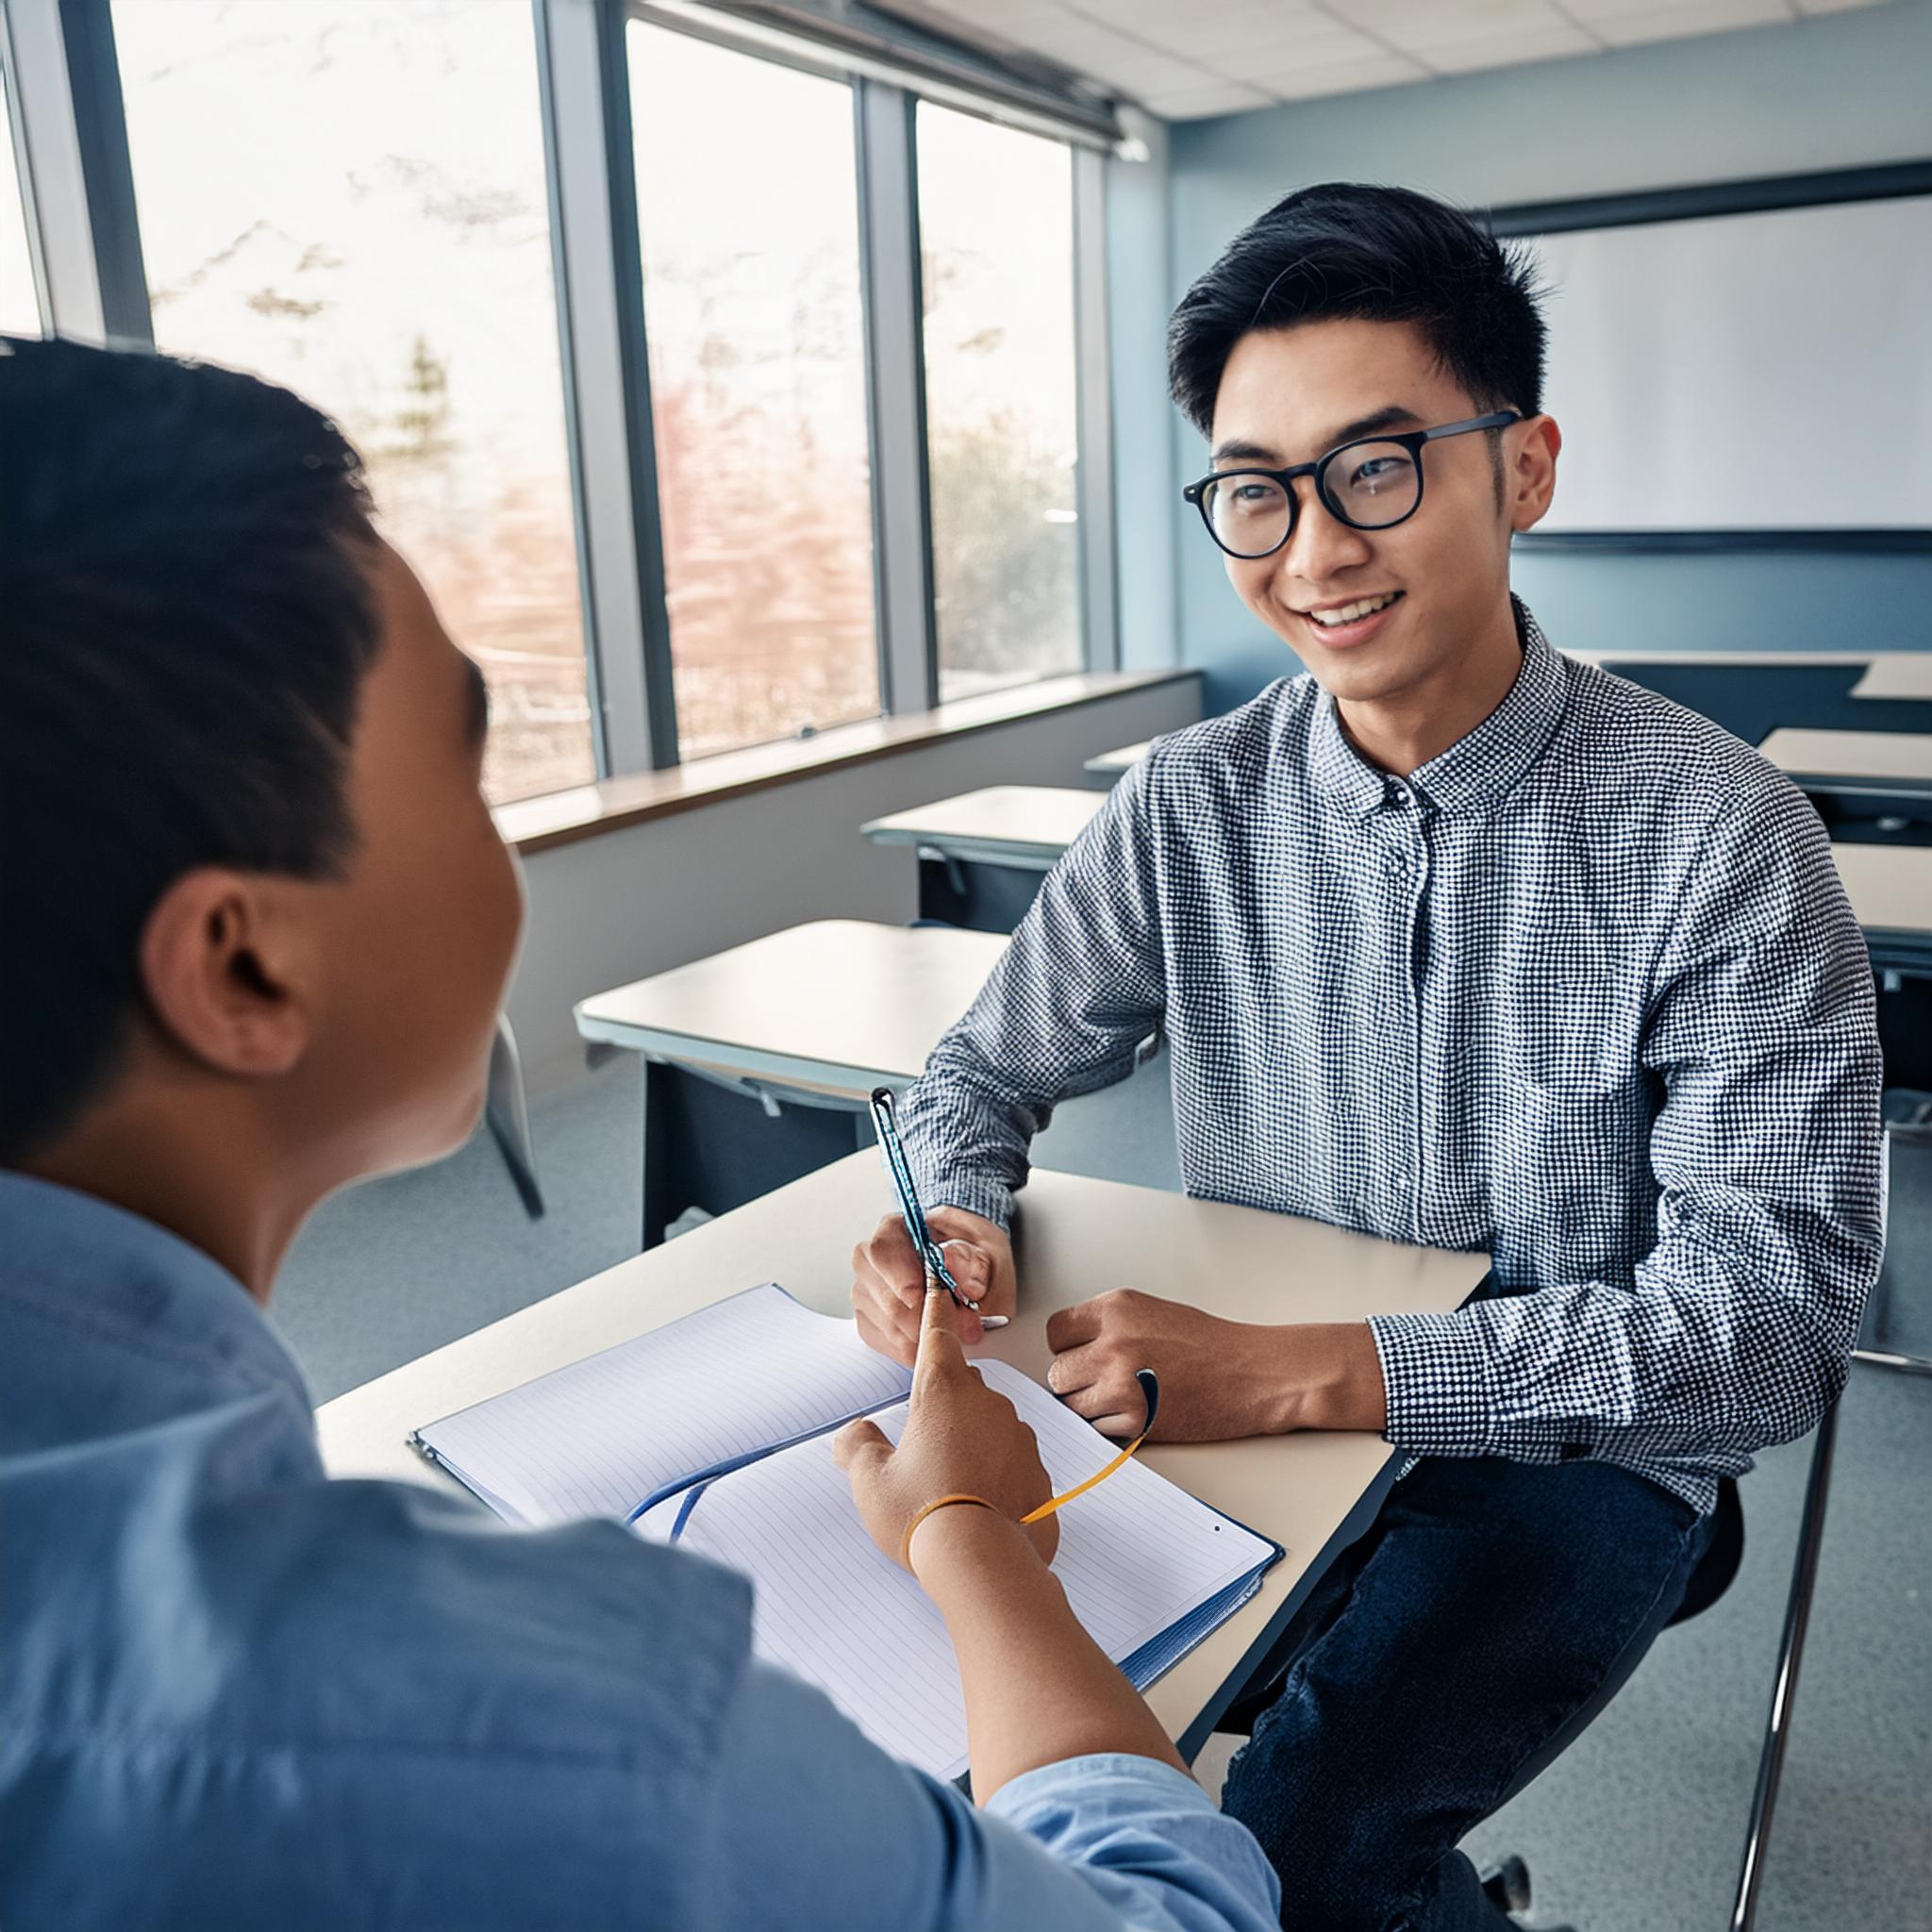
[1370,485]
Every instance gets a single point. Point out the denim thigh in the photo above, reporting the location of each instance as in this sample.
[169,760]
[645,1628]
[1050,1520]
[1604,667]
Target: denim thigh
[1484,1618]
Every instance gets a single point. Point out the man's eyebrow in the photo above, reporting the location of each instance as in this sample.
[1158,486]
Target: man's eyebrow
[476,702]
[1390,416]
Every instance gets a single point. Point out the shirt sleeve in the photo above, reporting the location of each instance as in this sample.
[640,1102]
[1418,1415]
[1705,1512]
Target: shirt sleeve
[1078,989]
[1738,1328]
[813,1826]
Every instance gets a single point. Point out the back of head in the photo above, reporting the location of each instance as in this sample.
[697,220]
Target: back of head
[185,621]
[1347,251]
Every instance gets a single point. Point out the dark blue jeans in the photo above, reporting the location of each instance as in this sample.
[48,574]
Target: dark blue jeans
[1490,1613]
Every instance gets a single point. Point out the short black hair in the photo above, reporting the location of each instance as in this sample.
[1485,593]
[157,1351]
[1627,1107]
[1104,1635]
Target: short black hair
[187,612]
[1348,250]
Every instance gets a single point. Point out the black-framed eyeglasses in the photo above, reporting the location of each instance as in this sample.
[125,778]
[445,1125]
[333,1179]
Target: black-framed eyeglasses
[1378,484]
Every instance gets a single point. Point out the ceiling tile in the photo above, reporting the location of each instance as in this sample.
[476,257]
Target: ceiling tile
[1506,50]
[1311,82]
[1403,22]
[1223,97]
[1685,18]
[1833,5]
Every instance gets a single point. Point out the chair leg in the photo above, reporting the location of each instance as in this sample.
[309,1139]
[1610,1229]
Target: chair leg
[509,1119]
[1791,1653]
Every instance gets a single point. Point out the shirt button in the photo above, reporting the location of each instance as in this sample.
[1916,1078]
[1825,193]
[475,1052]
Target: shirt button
[1397,796]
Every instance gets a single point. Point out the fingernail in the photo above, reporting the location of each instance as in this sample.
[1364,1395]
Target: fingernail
[995,1321]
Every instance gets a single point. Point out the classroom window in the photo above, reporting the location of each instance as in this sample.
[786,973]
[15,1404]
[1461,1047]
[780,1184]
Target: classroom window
[996,244]
[748,221]
[20,307]
[351,199]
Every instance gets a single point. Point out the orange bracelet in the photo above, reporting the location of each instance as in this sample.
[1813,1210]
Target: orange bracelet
[938,1503]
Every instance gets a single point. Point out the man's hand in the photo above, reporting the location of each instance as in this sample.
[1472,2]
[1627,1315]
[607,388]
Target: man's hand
[889,1282]
[960,1438]
[1218,1379]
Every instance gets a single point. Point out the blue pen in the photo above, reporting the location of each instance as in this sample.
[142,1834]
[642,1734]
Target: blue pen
[930,1253]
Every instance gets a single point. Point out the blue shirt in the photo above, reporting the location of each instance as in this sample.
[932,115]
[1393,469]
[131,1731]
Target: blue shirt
[233,1692]
[1584,994]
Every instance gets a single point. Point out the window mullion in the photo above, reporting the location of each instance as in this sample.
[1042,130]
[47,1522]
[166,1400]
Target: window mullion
[1093,383]
[606,387]
[895,392]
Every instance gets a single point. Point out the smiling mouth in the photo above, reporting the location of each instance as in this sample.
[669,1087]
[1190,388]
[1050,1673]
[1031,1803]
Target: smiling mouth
[1340,616]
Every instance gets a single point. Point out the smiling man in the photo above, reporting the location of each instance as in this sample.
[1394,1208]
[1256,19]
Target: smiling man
[1457,943]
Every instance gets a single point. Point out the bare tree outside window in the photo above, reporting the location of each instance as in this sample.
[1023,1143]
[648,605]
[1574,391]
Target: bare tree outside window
[748,218]
[350,198]
[20,311]
[997,235]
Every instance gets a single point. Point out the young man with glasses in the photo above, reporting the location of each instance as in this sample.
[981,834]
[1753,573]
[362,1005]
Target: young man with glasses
[1456,942]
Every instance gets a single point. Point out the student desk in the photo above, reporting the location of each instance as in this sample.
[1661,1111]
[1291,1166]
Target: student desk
[1111,764]
[1897,675]
[1880,777]
[1314,1493]
[757,1062]
[983,853]
[1890,890]
[1753,693]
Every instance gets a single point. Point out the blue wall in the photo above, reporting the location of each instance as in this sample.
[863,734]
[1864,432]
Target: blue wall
[1830,92]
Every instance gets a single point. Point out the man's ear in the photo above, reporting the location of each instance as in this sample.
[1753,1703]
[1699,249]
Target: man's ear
[1532,474]
[224,964]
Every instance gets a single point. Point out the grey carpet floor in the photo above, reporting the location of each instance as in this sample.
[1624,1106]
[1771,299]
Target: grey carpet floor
[1639,1828]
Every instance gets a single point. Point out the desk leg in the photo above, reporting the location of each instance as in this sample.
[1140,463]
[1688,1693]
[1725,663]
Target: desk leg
[980,898]
[710,1146]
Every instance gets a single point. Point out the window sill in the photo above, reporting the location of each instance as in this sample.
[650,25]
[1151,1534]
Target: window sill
[561,818]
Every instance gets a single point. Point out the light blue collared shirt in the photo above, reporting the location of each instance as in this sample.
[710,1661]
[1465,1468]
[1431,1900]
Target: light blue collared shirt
[234,1693]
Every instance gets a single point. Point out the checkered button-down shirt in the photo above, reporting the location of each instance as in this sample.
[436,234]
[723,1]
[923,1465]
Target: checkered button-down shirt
[1583,993]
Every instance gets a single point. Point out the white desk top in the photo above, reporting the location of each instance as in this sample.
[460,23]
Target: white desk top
[1075,1237]
[1006,824]
[1122,759]
[1897,675]
[840,1005]
[1889,886]
[1876,757]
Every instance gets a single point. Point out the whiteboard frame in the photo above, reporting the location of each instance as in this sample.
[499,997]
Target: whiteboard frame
[1762,194]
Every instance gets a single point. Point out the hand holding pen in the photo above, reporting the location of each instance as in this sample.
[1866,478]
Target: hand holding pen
[970,1258]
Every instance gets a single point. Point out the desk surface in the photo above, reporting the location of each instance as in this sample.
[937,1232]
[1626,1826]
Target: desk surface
[1122,759]
[1075,1237]
[839,1004]
[1006,824]
[1897,675]
[1874,757]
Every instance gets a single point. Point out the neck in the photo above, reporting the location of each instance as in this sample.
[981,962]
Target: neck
[216,1176]
[1406,728]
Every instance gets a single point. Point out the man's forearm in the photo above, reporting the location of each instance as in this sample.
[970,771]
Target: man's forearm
[1325,1375]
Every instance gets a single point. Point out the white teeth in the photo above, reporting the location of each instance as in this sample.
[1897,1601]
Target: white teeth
[1350,613]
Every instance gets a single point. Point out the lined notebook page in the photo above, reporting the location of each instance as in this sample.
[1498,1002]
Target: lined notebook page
[1136,1555]
[597,1438]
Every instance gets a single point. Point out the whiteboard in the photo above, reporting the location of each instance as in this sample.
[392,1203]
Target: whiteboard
[1749,372]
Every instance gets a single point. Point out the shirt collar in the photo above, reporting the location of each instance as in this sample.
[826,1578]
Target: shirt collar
[101,1276]
[1481,767]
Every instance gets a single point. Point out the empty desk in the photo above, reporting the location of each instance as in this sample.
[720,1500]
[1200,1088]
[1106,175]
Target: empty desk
[983,853]
[1313,1493]
[1890,890]
[1111,764]
[1897,675]
[1857,775]
[757,1062]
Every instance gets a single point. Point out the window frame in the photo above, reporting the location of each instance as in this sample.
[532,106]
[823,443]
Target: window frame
[83,229]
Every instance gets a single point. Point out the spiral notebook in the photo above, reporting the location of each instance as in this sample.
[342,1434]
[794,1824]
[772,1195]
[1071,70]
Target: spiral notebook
[714,1432]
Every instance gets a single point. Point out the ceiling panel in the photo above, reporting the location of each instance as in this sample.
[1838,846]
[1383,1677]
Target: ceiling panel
[1186,59]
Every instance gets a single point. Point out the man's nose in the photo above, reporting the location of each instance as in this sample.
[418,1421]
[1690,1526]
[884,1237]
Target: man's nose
[1321,545]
